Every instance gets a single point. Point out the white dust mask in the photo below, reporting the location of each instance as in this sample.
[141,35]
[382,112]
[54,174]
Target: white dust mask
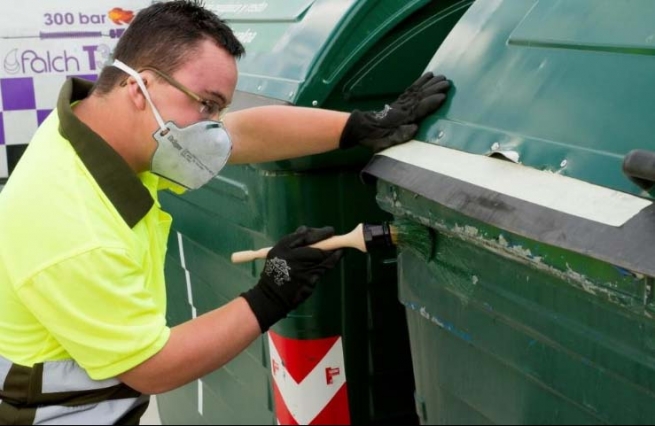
[189,156]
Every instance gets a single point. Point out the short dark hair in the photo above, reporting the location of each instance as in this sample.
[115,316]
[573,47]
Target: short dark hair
[164,35]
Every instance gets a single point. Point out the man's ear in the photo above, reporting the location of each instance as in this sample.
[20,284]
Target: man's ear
[135,92]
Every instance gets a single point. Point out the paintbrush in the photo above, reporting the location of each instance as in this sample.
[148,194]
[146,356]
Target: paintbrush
[366,237]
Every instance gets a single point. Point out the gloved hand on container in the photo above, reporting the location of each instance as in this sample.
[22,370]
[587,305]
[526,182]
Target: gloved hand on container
[397,122]
[290,274]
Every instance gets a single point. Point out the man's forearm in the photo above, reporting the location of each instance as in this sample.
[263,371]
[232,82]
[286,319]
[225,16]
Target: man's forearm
[274,133]
[196,348]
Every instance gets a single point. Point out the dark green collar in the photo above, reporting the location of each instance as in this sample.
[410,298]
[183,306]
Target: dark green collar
[116,179]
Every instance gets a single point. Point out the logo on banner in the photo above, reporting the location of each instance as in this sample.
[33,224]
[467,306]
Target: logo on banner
[121,16]
[66,42]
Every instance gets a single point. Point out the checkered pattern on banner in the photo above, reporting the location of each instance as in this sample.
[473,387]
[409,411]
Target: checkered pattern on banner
[24,103]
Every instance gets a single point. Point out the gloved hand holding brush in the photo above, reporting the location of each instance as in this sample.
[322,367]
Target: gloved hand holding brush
[365,237]
[290,274]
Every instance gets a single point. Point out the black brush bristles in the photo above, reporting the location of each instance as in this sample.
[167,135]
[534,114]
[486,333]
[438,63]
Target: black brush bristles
[402,233]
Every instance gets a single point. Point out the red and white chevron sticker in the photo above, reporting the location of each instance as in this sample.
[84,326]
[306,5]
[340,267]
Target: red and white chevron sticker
[309,381]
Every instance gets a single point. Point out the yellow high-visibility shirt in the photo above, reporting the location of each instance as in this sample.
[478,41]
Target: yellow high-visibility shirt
[82,248]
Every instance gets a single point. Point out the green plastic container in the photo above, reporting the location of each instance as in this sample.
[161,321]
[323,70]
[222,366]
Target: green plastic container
[537,307]
[344,356]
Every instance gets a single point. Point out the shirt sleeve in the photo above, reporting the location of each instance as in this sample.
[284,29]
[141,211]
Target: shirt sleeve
[98,306]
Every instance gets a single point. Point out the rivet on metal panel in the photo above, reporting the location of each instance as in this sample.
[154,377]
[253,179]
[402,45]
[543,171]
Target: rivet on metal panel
[495,146]
[563,163]
[291,95]
[440,134]
[314,103]
[260,87]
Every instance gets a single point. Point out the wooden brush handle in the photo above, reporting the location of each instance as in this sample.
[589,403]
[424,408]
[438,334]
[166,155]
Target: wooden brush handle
[353,239]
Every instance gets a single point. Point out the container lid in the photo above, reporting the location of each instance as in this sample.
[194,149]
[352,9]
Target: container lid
[298,45]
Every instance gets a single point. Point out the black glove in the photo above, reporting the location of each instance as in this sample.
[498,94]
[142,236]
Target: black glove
[398,122]
[290,274]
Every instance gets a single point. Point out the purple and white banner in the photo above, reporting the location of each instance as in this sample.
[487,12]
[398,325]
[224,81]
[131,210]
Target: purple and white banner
[43,43]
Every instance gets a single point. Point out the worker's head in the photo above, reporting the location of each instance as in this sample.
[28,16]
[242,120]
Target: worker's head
[176,65]
[165,36]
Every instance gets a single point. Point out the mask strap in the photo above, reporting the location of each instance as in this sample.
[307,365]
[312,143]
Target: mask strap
[118,64]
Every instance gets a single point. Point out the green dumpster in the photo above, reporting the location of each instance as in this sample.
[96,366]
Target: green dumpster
[343,357]
[537,307]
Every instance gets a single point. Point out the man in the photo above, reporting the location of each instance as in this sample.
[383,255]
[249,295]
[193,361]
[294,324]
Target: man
[83,337]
